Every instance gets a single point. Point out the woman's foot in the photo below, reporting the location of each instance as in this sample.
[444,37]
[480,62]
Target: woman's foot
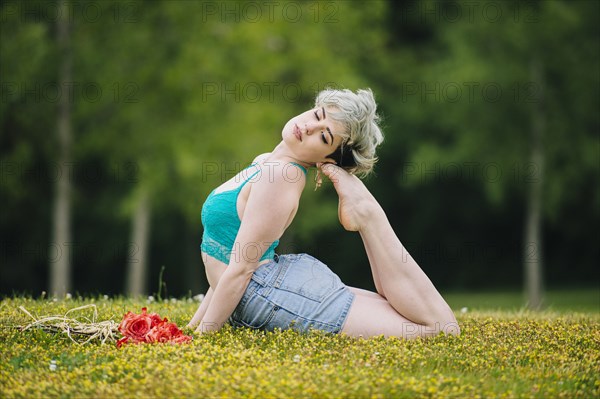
[356,203]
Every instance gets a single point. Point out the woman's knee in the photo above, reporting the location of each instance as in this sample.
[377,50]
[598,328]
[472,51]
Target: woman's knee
[446,324]
[371,315]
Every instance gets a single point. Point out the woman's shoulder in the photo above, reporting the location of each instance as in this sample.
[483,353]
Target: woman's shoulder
[261,157]
[278,175]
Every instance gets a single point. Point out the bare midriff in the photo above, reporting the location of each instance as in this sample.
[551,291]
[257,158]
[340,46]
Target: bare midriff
[215,269]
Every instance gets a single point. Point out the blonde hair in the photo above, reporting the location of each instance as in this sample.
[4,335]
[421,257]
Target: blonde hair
[357,112]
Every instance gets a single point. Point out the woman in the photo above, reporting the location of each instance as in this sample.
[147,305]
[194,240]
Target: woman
[244,218]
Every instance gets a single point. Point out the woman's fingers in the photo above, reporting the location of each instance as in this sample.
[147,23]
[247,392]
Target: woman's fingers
[331,171]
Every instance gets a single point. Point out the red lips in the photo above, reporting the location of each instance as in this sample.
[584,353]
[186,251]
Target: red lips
[297,132]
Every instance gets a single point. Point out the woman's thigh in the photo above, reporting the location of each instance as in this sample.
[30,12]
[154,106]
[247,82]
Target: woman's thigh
[366,293]
[372,315]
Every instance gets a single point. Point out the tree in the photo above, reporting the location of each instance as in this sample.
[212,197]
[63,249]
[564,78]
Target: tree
[486,99]
[28,118]
[532,261]
[60,269]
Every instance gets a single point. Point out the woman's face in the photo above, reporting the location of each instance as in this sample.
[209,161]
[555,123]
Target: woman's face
[312,135]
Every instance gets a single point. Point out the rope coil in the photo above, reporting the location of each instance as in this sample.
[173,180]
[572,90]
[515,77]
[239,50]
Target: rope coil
[94,330]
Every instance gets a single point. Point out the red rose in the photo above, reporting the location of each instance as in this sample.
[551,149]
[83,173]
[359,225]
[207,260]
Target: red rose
[166,332]
[136,326]
[149,328]
[122,341]
[160,333]
[181,338]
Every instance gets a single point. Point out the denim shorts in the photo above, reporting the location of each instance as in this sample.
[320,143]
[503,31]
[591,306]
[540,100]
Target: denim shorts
[294,291]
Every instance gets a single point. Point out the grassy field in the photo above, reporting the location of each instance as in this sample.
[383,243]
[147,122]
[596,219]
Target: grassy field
[558,300]
[506,353]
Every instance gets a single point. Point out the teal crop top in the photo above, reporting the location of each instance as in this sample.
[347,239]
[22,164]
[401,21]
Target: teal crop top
[221,222]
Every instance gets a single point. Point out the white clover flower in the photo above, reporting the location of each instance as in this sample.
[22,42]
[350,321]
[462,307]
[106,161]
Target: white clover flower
[68,296]
[199,297]
[464,310]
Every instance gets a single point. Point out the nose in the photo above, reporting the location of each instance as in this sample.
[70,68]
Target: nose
[309,128]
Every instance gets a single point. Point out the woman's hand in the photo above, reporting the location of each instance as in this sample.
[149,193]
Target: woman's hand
[207,327]
[201,309]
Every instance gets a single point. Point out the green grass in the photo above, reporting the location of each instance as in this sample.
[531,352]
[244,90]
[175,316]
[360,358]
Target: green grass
[560,300]
[500,353]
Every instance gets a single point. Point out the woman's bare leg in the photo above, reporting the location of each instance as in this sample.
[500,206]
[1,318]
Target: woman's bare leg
[405,286]
[374,270]
[371,315]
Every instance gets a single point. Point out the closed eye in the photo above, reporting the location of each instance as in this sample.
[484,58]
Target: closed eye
[328,131]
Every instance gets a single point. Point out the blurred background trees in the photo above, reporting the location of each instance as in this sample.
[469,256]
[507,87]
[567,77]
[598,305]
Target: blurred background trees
[489,173]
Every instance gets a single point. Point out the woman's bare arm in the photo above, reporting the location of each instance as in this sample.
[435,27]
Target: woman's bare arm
[272,200]
[201,309]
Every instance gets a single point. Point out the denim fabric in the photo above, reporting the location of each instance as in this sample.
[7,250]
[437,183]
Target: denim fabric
[294,291]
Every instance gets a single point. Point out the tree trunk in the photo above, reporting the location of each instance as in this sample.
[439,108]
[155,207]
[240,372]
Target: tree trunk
[137,267]
[60,263]
[533,248]
[195,279]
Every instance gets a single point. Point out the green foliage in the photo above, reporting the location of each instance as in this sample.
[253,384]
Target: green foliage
[555,300]
[172,99]
[498,354]
[476,99]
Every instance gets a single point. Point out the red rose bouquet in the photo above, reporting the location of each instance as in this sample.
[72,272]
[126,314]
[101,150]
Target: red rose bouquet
[149,328]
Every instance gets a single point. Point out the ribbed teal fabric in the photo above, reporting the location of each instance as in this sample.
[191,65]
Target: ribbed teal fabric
[221,224]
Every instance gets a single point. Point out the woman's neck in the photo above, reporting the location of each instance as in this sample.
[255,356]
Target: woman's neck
[282,153]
